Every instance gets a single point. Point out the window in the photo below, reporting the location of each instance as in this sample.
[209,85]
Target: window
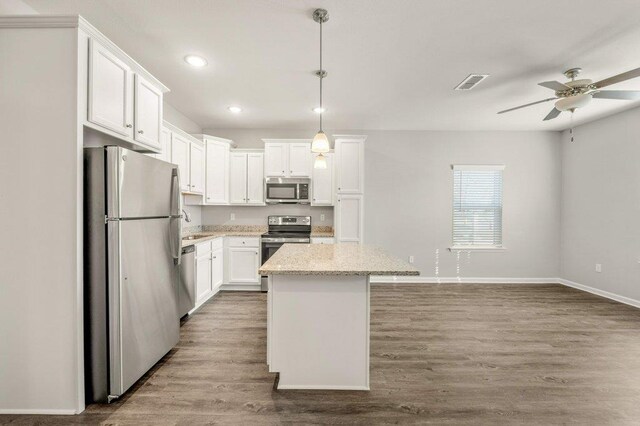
[477,206]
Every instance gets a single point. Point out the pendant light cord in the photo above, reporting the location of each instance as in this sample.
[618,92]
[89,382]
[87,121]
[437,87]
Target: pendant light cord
[321,75]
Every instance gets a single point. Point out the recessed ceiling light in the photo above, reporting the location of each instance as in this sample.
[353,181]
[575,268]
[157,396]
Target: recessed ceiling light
[195,60]
[319,110]
[235,109]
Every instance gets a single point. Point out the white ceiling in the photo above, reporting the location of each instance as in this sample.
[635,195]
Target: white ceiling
[392,64]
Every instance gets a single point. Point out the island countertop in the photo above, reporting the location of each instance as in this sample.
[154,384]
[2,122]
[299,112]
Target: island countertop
[334,259]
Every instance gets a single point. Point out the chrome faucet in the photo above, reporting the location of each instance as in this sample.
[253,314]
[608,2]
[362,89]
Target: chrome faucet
[187,216]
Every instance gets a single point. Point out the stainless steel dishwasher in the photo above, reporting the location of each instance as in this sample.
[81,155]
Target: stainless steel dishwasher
[187,287]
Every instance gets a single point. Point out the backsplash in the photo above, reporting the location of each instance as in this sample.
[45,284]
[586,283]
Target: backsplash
[257,215]
[188,230]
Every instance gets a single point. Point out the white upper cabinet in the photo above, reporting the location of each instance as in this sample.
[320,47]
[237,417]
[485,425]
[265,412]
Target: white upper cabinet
[196,168]
[348,218]
[217,172]
[147,113]
[165,145]
[246,178]
[110,91]
[180,157]
[123,99]
[255,178]
[287,158]
[349,156]
[276,159]
[238,178]
[299,160]
[322,183]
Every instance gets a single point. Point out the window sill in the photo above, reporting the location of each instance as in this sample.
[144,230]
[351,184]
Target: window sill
[475,248]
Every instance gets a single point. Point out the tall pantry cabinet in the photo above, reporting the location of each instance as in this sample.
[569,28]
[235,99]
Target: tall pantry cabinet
[349,173]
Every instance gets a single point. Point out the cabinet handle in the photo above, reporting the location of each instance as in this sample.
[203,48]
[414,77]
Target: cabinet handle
[214,257]
[141,132]
[208,198]
[128,126]
[256,252]
[243,242]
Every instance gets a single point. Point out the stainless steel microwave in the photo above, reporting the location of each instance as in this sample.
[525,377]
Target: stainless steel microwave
[287,190]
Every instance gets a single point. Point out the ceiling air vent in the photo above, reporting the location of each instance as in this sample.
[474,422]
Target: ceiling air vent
[470,82]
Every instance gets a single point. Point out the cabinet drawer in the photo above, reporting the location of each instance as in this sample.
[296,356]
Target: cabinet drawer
[244,242]
[322,240]
[216,244]
[203,248]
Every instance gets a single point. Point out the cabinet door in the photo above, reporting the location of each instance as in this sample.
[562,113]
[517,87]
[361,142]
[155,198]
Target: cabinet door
[255,178]
[203,276]
[217,173]
[110,91]
[299,159]
[196,168]
[165,145]
[217,268]
[147,113]
[349,218]
[243,265]
[180,157]
[349,166]
[238,178]
[322,183]
[276,159]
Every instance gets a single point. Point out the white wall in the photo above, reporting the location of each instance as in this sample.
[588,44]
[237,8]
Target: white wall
[601,204]
[179,120]
[408,195]
[40,223]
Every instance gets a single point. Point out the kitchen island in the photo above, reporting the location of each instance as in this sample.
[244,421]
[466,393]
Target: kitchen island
[318,313]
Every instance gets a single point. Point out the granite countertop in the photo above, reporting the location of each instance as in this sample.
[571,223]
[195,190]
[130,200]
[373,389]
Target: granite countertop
[334,259]
[209,232]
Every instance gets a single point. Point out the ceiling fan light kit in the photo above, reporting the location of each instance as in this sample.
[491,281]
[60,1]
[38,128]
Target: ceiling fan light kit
[576,94]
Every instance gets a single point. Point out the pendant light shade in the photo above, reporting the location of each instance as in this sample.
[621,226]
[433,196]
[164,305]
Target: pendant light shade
[320,143]
[320,162]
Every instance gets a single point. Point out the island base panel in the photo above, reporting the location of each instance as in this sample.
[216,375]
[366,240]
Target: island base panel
[318,331]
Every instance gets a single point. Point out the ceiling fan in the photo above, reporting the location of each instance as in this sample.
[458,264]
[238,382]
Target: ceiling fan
[578,93]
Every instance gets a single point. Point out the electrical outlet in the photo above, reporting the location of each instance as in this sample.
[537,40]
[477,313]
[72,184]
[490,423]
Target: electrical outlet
[411,259]
[322,217]
[233,216]
[598,267]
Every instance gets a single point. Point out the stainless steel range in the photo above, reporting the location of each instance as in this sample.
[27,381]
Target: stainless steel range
[284,230]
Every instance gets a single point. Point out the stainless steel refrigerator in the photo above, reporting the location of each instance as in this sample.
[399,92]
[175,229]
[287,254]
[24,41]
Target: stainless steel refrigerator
[132,251]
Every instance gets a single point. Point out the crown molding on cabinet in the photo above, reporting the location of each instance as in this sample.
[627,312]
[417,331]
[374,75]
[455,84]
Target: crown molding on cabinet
[77,21]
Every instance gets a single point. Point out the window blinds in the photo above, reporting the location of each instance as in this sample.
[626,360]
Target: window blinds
[477,206]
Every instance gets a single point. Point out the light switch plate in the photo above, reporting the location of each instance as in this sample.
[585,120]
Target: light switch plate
[322,217]
[598,267]
[233,216]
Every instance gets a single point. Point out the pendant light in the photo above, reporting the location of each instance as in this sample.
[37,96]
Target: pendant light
[320,142]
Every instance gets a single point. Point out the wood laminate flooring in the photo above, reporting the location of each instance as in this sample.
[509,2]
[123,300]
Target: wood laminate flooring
[440,354]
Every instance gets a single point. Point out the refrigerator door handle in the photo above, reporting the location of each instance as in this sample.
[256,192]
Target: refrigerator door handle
[176,215]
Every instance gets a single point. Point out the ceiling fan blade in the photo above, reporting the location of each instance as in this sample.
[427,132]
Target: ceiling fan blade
[618,78]
[526,105]
[554,85]
[553,114]
[625,95]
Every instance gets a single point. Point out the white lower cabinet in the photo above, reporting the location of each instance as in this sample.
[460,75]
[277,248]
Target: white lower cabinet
[243,260]
[209,269]
[203,278]
[217,268]
[244,263]
[349,218]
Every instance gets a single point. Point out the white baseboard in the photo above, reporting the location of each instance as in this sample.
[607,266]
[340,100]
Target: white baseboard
[603,293]
[39,411]
[460,280]
[240,287]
